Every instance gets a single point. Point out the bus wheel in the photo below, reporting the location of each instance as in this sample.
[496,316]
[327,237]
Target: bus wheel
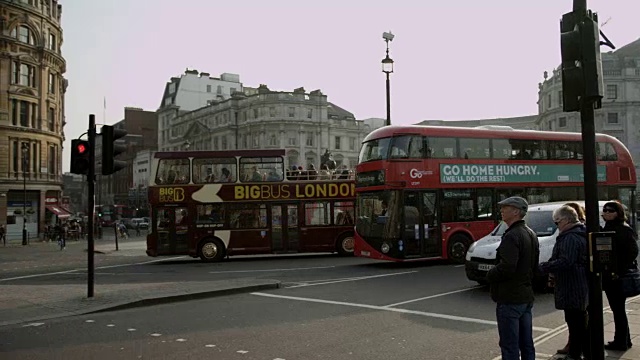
[345,245]
[458,245]
[211,250]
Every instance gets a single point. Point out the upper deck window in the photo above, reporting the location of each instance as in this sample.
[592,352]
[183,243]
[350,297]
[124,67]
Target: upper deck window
[407,147]
[374,150]
[173,171]
[442,148]
[606,152]
[255,169]
[214,170]
[475,148]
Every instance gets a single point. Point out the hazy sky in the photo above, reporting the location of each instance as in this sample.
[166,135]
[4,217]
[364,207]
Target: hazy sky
[454,59]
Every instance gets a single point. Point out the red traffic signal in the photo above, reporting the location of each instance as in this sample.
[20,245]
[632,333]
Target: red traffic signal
[81,148]
[80,152]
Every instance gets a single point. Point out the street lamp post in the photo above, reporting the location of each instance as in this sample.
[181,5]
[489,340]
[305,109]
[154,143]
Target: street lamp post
[387,68]
[25,150]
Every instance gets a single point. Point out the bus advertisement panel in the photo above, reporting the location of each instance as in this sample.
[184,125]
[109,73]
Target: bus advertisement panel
[428,192]
[292,213]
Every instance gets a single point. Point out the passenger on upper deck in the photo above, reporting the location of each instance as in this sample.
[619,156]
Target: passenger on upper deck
[226,175]
[255,175]
[324,173]
[210,176]
[312,172]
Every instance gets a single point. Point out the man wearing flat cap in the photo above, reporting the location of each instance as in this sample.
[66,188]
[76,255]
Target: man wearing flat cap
[511,281]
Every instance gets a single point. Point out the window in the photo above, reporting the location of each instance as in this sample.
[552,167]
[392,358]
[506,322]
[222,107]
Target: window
[215,143]
[14,148]
[52,83]
[24,113]
[223,142]
[441,148]
[562,122]
[173,171]
[549,101]
[256,140]
[310,138]
[34,116]
[343,213]
[475,148]
[52,119]
[52,160]
[317,213]
[53,45]
[352,143]
[309,113]
[232,90]
[292,112]
[219,90]
[560,99]
[375,150]
[34,158]
[606,152]
[292,139]
[406,147]
[211,215]
[337,142]
[248,216]
[254,169]
[273,141]
[23,34]
[272,111]
[612,118]
[214,170]
[208,88]
[25,156]
[23,74]
[612,91]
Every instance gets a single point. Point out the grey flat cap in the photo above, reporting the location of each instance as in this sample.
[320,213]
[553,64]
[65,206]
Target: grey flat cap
[515,201]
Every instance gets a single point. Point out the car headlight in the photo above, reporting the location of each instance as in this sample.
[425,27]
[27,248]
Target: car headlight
[472,247]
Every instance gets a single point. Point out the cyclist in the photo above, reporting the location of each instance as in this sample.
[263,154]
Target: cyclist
[58,232]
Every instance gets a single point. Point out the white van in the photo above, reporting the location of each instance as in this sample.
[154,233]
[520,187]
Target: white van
[481,256]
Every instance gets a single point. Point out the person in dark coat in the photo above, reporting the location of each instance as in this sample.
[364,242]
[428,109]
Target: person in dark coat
[568,264]
[626,251]
[511,282]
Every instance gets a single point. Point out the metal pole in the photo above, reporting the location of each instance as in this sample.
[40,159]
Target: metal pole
[91,178]
[24,198]
[388,101]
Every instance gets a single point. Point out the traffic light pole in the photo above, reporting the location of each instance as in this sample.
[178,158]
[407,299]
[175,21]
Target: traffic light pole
[91,181]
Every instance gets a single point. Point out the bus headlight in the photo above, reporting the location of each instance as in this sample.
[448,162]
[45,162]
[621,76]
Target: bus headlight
[385,247]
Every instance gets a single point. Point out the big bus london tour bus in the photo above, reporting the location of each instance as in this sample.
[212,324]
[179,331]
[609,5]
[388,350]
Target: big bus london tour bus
[211,204]
[428,192]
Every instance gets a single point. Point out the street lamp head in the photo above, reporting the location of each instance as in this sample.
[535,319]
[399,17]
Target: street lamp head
[387,65]
[186,144]
[25,147]
[388,36]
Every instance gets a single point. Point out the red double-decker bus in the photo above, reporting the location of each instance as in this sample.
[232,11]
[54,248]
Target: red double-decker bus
[428,192]
[211,204]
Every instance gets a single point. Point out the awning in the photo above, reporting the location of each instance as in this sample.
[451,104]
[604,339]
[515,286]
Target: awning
[58,211]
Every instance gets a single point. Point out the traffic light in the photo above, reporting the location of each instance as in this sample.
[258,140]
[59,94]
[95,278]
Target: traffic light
[581,60]
[80,152]
[110,149]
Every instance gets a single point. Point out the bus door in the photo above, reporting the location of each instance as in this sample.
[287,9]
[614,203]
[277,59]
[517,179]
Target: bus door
[285,231]
[172,230]
[421,236]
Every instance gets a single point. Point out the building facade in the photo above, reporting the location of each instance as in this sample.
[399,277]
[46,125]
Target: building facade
[142,134]
[305,124]
[32,88]
[620,112]
[528,122]
[75,190]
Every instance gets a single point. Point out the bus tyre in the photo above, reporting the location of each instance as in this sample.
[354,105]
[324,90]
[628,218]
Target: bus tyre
[211,250]
[345,244]
[458,246]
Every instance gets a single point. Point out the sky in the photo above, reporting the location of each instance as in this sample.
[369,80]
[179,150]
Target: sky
[453,60]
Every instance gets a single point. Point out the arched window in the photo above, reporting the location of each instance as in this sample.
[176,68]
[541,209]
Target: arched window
[23,34]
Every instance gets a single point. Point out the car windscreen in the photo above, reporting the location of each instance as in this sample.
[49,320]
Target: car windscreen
[541,222]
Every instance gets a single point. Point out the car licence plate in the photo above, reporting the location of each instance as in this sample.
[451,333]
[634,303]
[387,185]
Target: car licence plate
[485,267]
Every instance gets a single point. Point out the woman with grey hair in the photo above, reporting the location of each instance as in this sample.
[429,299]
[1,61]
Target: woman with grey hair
[568,264]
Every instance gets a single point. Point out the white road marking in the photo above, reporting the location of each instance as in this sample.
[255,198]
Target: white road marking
[269,270]
[97,268]
[352,279]
[156,334]
[403,311]
[110,325]
[35,324]
[181,340]
[242,351]
[209,345]
[432,296]
[131,329]
[90,321]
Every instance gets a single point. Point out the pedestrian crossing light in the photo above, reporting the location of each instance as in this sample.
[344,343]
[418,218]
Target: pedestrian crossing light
[80,157]
[111,149]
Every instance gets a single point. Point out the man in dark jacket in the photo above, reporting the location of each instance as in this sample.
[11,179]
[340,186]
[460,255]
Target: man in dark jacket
[568,264]
[511,282]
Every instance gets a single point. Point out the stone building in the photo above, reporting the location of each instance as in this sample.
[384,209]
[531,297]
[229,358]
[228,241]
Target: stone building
[32,88]
[620,112]
[527,122]
[305,124]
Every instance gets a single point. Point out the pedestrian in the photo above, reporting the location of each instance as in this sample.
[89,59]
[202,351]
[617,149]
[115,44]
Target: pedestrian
[511,281]
[582,217]
[137,225]
[3,234]
[568,264]
[626,251]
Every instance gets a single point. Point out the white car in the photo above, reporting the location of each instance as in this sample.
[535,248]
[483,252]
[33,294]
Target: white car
[481,256]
